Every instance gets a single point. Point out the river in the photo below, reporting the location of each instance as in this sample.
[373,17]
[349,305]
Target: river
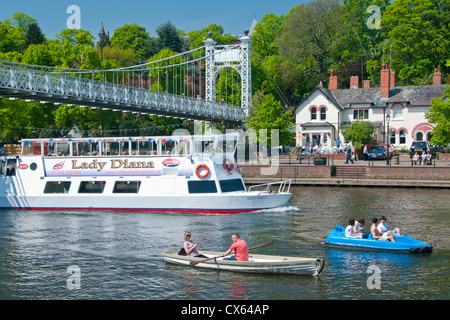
[68,255]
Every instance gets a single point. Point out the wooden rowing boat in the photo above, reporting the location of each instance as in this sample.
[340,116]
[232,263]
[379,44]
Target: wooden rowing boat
[258,263]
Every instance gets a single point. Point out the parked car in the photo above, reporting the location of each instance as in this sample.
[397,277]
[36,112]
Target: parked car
[419,147]
[439,149]
[392,150]
[377,153]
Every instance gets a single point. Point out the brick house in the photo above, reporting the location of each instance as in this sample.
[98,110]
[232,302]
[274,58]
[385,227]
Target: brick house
[326,112]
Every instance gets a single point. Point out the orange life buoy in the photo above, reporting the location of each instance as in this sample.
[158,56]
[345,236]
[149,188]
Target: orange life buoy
[228,165]
[205,172]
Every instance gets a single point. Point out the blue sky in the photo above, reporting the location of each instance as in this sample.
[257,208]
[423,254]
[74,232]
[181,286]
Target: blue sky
[233,15]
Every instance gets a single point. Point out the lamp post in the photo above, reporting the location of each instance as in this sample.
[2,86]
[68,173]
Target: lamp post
[388,118]
[103,41]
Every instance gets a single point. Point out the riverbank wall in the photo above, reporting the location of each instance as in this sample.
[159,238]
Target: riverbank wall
[359,174]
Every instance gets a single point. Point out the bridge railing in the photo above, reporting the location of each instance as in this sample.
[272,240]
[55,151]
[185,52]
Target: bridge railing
[63,88]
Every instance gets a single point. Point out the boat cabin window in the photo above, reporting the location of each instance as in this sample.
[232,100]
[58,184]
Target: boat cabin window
[91,187]
[226,146]
[85,148]
[2,167]
[57,187]
[202,187]
[11,167]
[204,146]
[57,149]
[126,187]
[31,148]
[232,185]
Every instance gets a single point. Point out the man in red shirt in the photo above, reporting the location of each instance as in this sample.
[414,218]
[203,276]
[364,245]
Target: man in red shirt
[239,247]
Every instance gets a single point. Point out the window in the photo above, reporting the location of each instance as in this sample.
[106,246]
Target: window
[323,113]
[202,187]
[360,114]
[397,112]
[57,187]
[127,187]
[392,137]
[402,136]
[419,136]
[232,185]
[91,187]
[313,114]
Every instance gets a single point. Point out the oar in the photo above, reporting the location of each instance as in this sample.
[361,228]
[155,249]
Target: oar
[267,244]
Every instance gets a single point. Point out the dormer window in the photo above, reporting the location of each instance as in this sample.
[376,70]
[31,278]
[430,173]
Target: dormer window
[397,112]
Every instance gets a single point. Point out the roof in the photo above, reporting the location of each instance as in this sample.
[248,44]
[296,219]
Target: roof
[412,95]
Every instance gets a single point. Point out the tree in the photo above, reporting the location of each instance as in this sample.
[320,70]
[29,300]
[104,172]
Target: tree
[309,33]
[266,33]
[136,38]
[418,33]
[359,133]
[169,37]
[439,114]
[267,113]
[34,35]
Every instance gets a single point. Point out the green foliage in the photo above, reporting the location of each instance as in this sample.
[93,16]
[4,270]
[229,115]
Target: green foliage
[439,114]
[169,37]
[359,133]
[136,38]
[34,35]
[267,113]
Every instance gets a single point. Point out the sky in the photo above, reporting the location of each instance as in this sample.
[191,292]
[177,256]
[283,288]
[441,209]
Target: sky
[234,15]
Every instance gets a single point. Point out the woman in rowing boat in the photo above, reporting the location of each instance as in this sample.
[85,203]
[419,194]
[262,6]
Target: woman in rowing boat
[190,247]
[350,231]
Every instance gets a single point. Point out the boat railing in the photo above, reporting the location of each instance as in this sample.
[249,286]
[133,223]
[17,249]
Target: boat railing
[268,188]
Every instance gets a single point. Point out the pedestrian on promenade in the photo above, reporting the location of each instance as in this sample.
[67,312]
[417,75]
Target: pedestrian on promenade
[349,155]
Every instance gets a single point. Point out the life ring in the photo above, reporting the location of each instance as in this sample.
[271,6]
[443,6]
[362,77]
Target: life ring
[228,165]
[205,172]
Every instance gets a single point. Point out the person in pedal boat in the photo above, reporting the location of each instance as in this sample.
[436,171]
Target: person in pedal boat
[350,231]
[239,247]
[190,247]
[376,234]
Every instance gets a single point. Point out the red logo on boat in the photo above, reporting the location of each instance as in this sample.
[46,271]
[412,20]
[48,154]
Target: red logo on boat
[22,166]
[171,162]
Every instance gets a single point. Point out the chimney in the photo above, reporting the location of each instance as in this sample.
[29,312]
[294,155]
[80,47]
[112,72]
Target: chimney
[392,79]
[437,77]
[366,84]
[385,81]
[354,82]
[333,83]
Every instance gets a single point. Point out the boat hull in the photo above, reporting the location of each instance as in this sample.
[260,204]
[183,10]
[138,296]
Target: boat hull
[209,204]
[405,244]
[257,263]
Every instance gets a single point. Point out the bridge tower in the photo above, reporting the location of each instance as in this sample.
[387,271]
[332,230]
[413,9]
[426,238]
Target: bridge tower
[237,57]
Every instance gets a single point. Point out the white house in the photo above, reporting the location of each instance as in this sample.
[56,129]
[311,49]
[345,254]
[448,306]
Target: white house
[323,115]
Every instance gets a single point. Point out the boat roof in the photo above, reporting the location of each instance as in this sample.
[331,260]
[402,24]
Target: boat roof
[207,137]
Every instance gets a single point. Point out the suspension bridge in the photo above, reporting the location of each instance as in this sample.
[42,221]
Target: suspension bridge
[192,96]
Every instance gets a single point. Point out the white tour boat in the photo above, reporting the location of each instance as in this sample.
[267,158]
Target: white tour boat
[197,174]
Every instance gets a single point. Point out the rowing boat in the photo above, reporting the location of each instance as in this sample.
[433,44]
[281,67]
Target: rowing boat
[258,263]
[402,243]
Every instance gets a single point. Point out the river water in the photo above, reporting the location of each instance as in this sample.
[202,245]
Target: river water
[61,255]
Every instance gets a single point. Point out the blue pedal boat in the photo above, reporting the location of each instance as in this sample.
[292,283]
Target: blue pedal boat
[402,243]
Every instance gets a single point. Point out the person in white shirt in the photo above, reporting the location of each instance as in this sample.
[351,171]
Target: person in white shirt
[384,228]
[377,234]
[349,231]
